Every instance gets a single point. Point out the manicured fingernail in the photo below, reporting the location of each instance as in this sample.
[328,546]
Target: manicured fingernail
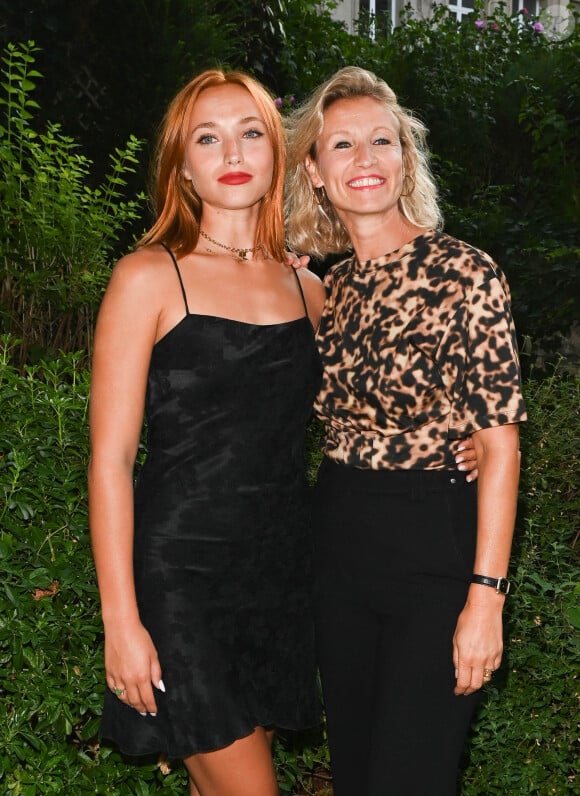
[459,459]
[461,447]
[469,478]
[152,714]
[461,467]
[161,686]
[142,714]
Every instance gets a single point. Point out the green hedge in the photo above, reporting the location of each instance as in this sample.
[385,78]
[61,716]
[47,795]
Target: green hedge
[524,740]
[51,670]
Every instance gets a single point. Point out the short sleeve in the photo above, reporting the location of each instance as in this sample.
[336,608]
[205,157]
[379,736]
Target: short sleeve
[488,389]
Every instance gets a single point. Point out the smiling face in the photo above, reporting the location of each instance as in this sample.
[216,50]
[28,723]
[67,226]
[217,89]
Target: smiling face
[229,156]
[359,158]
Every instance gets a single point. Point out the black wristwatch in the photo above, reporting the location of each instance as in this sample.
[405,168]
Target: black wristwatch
[501,585]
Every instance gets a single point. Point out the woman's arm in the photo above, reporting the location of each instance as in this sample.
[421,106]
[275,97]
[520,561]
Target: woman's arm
[478,640]
[124,338]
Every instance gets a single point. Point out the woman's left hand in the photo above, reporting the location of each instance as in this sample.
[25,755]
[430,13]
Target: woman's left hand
[478,643]
[466,459]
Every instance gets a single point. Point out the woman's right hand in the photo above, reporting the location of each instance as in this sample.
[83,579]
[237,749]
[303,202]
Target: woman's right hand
[132,666]
[296,261]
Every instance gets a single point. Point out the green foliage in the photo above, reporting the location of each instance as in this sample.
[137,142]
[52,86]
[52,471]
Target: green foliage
[110,68]
[51,673]
[259,27]
[303,763]
[316,46]
[56,232]
[529,719]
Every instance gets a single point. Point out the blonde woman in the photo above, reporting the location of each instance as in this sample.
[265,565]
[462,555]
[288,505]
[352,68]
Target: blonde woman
[419,351]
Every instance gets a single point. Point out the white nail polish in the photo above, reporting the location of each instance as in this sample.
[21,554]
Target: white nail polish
[161,686]
[461,467]
[142,714]
[152,714]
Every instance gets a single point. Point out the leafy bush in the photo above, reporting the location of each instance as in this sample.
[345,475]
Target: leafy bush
[51,672]
[523,741]
[316,46]
[110,68]
[56,233]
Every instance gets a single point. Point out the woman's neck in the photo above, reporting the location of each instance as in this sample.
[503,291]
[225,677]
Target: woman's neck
[374,237]
[229,231]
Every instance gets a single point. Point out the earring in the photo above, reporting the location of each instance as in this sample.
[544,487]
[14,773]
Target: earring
[408,177]
[319,195]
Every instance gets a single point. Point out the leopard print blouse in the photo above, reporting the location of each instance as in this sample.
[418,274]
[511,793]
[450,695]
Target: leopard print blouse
[418,350]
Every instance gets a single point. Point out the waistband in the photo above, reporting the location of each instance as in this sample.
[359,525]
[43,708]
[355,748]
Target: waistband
[392,482]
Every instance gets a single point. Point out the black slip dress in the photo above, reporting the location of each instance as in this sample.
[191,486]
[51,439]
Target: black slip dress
[222,550]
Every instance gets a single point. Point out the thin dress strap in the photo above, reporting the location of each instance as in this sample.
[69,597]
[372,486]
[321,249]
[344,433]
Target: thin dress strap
[301,292]
[183,293]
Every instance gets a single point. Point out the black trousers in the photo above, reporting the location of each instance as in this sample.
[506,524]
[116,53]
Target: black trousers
[394,552]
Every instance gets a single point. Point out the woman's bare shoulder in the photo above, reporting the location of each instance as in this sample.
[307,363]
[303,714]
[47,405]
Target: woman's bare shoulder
[143,270]
[147,260]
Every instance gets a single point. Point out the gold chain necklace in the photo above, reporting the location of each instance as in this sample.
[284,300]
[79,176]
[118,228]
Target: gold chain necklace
[241,254]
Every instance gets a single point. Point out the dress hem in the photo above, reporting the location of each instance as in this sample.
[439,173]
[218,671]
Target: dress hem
[201,748]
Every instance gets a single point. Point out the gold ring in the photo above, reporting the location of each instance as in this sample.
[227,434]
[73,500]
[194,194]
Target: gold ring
[118,691]
[487,674]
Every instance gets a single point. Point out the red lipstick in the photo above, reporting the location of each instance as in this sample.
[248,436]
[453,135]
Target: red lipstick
[235,178]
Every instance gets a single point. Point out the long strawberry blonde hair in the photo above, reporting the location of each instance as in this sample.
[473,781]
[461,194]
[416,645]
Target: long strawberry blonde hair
[177,206]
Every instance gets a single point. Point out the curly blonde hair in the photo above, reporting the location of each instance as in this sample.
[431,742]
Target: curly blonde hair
[312,223]
[177,206]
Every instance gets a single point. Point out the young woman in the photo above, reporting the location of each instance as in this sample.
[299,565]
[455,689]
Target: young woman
[418,349]
[204,569]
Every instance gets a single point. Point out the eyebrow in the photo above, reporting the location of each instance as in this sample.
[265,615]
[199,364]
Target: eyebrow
[379,129]
[212,125]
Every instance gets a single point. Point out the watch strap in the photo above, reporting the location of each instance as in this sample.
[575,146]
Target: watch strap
[501,585]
